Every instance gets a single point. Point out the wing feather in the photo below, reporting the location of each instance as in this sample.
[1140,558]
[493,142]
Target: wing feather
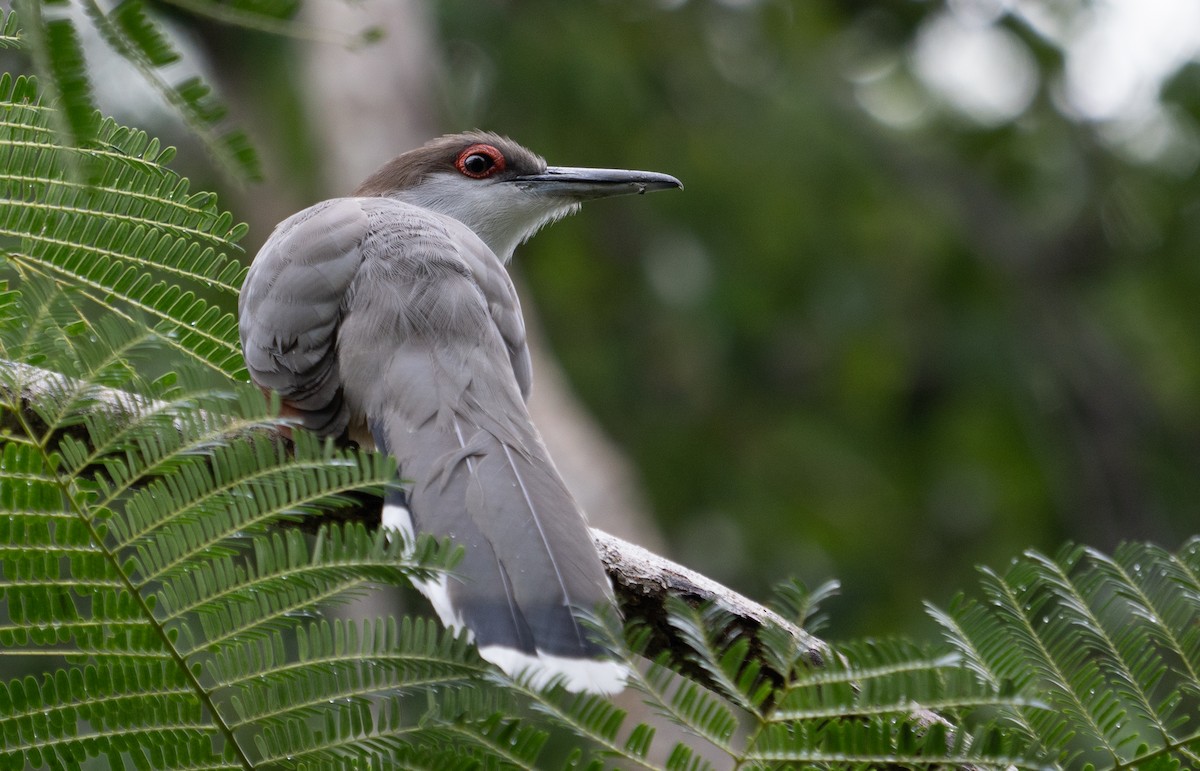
[291,306]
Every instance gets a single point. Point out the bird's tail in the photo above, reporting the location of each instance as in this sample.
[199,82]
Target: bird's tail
[530,563]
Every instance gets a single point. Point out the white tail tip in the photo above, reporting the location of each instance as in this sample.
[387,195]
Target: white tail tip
[591,675]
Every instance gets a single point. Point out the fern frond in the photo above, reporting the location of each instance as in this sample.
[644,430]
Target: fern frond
[139,31]
[1104,625]
[1162,592]
[985,649]
[235,601]
[688,704]
[403,758]
[879,744]
[593,718]
[130,32]
[118,240]
[340,661]
[50,36]
[722,658]
[1109,643]
[278,562]
[276,17]
[683,701]
[803,606]
[485,720]
[67,593]
[237,489]
[50,711]
[384,737]
[861,705]
[10,30]
[894,677]
[1075,678]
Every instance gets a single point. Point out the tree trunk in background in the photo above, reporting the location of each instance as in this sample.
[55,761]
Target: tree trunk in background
[599,476]
[370,104]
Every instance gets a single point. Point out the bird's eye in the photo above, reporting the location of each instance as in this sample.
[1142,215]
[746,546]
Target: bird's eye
[479,161]
[477,164]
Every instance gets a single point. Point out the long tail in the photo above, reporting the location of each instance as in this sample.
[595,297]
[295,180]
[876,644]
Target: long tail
[530,562]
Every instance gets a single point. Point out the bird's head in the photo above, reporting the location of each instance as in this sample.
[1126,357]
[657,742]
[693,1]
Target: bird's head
[497,188]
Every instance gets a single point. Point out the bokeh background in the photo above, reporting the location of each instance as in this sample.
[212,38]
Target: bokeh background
[931,295]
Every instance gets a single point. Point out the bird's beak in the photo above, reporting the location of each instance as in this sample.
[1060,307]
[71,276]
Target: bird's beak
[579,184]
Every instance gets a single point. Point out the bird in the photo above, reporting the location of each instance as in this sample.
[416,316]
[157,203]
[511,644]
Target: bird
[388,318]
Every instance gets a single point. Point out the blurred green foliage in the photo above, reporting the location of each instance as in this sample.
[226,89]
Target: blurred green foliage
[876,351]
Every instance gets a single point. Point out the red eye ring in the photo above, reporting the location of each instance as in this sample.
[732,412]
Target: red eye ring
[479,161]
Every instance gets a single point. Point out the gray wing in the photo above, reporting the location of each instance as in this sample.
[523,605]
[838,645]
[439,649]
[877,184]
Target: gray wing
[291,305]
[432,350]
[298,290]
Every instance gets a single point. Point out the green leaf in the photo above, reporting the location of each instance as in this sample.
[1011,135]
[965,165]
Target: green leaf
[58,56]
[136,242]
[1107,643]
[10,31]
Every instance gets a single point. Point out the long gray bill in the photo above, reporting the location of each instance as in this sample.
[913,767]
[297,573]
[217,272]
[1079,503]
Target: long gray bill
[582,184]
